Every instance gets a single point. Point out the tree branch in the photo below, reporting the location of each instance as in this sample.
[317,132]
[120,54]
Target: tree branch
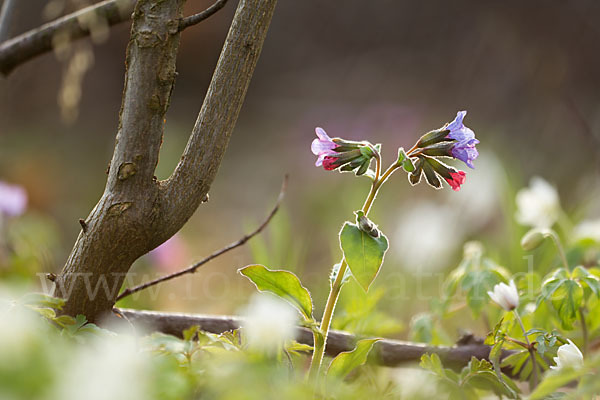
[120,227]
[199,164]
[35,42]
[388,352]
[38,41]
[192,268]
[136,212]
[197,18]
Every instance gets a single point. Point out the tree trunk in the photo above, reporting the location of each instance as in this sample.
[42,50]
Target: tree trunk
[136,212]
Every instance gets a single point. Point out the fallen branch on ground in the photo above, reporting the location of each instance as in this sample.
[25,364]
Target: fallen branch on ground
[389,352]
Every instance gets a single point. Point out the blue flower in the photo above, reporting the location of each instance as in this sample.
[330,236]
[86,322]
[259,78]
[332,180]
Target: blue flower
[464,147]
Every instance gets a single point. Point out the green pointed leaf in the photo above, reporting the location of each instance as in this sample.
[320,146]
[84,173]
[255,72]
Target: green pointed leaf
[363,253]
[432,362]
[42,300]
[283,284]
[346,361]
[567,299]
[554,380]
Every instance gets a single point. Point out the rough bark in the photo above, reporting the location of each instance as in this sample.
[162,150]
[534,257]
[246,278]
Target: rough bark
[137,213]
[387,352]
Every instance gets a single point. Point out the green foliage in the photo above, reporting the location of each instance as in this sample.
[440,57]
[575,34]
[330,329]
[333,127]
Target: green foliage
[359,312]
[283,284]
[475,276]
[363,253]
[347,361]
[477,376]
[568,292]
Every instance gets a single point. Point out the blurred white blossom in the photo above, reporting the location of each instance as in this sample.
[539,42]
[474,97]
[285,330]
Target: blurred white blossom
[589,229]
[568,355]
[19,328]
[415,383]
[538,205]
[479,199]
[111,367]
[506,296]
[427,235]
[268,322]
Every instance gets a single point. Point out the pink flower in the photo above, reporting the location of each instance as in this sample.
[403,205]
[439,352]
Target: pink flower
[172,255]
[13,199]
[458,178]
[323,147]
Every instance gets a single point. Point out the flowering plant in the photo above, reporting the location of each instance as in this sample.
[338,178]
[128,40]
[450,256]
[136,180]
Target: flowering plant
[363,244]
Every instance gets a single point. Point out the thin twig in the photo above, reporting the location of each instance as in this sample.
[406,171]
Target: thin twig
[18,50]
[197,18]
[192,268]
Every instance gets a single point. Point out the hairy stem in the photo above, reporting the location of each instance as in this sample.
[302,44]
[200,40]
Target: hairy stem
[320,338]
[559,247]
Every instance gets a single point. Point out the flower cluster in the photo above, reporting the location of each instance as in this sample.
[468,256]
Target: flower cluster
[453,140]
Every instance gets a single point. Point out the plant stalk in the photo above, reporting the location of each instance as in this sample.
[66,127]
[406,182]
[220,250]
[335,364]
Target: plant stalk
[320,338]
[534,371]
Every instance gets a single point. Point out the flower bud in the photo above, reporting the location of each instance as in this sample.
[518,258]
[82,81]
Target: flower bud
[533,239]
[366,225]
[443,149]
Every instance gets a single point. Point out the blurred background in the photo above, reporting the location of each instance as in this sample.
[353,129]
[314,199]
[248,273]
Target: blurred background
[383,71]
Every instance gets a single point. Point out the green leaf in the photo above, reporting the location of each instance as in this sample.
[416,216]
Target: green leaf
[432,363]
[363,253]
[346,361]
[42,300]
[555,380]
[297,348]
[477,283]
[190,332]
[566,300]
[283,284]
[585,277]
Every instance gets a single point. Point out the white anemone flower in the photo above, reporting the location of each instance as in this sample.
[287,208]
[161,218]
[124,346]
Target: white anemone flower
[269,322]
[588,229]
[538,205]
[506,296]
[568,355]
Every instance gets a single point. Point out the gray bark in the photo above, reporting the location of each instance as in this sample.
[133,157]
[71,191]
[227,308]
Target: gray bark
[387,352]
[136,212]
